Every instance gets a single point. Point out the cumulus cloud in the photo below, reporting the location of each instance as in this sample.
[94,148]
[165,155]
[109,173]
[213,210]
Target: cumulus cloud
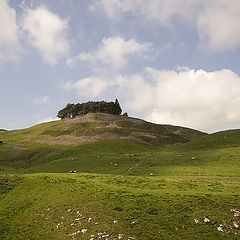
[87,87]
[9,40]
[46,31]
[113,51]
[41,100]
[218,25]
[216,21]
[207,101]
[192,98]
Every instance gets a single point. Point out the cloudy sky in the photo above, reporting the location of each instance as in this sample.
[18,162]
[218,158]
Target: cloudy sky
[167,61]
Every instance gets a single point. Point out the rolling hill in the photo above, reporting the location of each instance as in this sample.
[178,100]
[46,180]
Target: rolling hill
[96,126]
[133,180]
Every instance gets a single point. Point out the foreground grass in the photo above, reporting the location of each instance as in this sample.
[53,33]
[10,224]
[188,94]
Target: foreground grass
[88,206]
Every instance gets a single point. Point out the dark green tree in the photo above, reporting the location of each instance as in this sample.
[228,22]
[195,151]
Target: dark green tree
[73,110]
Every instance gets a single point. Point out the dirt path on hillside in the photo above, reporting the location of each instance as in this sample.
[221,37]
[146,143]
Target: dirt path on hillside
[129,170]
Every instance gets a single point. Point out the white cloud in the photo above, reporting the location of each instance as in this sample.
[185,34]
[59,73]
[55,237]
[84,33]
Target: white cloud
[216,21]
[113,51]
[203,100]
[41,100]
[218,25]
[47,119]
[207,101]
[9,42]
[90,87]
[161,11]
[46,31]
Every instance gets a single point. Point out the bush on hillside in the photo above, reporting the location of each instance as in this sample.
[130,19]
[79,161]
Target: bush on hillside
[73,110]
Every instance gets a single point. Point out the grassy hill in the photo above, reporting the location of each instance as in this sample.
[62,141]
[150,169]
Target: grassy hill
[134,180]
[97,126]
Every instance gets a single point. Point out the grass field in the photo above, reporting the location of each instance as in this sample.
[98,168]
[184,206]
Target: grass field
[123,188]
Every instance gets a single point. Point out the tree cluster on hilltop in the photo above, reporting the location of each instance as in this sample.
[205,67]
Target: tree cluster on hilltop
[73,110]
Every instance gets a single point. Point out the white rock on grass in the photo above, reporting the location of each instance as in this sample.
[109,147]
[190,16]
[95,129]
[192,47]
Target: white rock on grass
[206,220]
[90,219]
[236,213]
[220,229]
[84,230]
[196,221]
[235,224]
[120,236]
[115,221]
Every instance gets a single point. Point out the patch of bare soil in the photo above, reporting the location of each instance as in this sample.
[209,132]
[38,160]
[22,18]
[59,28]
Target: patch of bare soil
[15,151]
[129,170]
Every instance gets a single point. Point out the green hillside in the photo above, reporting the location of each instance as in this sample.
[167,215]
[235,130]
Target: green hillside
[133,180]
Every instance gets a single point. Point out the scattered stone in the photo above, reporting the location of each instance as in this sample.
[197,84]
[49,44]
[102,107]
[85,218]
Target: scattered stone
[196,221]
[72,224]
[236,213]
[193,158]
[90,219]
[69,210]
[151,174]
[73,171]
[115,221]
[220,229]
[77,219]
[120,236]
[84,230]
[235,224]
[206,220]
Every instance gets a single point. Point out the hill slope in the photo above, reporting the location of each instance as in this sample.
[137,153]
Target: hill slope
[96,126]
[183,185]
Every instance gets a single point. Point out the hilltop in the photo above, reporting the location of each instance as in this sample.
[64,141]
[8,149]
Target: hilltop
[97,126]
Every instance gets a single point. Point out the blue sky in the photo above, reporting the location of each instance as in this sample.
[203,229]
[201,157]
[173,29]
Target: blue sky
[167,61]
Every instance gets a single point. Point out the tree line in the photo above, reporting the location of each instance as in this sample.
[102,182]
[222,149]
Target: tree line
[73,110]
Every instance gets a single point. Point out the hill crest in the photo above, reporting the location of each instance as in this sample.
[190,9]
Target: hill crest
[97,126]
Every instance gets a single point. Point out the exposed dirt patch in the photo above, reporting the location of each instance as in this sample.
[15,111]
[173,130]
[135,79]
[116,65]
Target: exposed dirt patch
[15,151]
[129,170]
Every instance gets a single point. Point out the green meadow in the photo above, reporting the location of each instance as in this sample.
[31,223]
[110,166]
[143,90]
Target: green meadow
[174,184]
